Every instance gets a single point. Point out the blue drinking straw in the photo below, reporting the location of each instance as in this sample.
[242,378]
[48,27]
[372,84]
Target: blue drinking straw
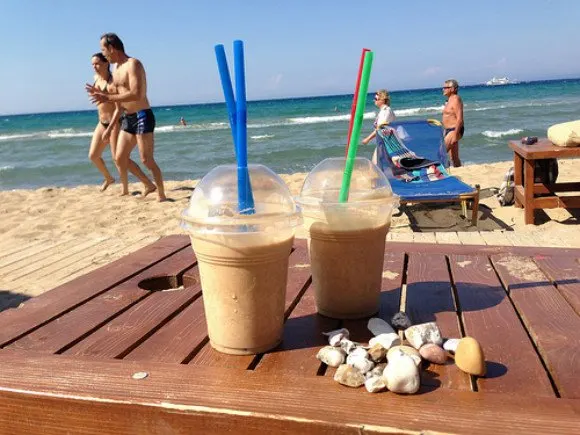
[224,71]
[245,197]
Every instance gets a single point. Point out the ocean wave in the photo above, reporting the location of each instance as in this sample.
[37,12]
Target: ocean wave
[165,128]
[495,134]
[418,110]
[6,168]
[16,136]
[262,136]
[321,119]
[63,134]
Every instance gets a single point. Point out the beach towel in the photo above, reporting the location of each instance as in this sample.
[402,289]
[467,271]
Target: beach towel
[395,159]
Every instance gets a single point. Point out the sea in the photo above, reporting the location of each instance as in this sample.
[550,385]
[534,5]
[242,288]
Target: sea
[288,135]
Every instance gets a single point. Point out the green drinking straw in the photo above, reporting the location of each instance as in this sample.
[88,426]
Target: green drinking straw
[358,117]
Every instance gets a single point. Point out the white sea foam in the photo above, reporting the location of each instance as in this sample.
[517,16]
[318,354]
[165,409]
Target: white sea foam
[68,132]
[321,119]
[165,128]
[6,168]
[15,136]
[418,110]
[494,134]
[262,136]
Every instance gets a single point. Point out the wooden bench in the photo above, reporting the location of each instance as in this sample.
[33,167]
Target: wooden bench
[527,190]
[124,349]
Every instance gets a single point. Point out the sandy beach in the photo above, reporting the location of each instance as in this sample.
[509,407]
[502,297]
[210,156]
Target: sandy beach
[52,234]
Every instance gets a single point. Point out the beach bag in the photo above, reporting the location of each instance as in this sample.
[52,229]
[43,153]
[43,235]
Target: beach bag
[506,194]
[566,134]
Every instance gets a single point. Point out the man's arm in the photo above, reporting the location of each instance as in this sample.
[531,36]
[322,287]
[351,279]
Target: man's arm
[459,111]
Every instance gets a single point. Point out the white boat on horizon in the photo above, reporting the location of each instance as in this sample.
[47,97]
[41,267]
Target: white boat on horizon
[498,81]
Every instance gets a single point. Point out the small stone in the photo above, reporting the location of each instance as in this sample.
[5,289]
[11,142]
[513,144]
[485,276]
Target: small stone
[409,351]
[433,353]
[331,356]
[140,375]
[379,326]
[450,345]
[377,353]
[375,384]
[347,345]
[386,340]
[378,369]
[418,335]
[359,352]
[402,375]
[349,376]
[401,321]
[469,357]
[335,337]
[360,362]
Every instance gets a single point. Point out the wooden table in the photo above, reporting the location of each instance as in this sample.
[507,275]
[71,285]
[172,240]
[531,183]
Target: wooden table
[527,190]
[111,353]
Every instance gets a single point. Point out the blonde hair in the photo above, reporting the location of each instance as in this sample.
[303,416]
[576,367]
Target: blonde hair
[383,94]
[453,83]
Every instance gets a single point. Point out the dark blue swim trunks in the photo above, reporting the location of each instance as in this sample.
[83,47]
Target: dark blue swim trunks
[138,123]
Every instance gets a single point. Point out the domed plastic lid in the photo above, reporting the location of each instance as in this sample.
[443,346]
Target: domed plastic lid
[323,183]
[214,202]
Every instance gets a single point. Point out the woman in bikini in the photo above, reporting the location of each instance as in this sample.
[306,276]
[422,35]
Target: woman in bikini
[103,78]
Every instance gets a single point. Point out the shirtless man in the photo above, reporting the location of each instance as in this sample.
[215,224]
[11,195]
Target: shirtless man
[137,121]
[453,120]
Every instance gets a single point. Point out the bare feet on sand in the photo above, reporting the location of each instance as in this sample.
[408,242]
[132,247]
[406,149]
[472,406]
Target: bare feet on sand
[148,190]
[107,183]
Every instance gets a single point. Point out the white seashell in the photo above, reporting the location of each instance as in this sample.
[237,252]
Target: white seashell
[379,326]
[360,363]
[375,384]
[331,356]
[402,375]
[450,345]
[387,340]
[418,335]
[334,337]
[347,345]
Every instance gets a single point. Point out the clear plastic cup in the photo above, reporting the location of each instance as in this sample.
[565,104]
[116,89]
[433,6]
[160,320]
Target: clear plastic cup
[242,258]
[347,240]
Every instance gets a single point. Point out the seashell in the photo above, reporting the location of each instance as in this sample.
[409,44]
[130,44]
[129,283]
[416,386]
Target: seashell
[450,345]
[433,353]
[409,351]
[401,321]
[402,375]
[469,357]
[378,326]
[331,356]
[387,340]
[349,376]
[375,384]
[334,337]
[418,335]
[377,352]
[347,345]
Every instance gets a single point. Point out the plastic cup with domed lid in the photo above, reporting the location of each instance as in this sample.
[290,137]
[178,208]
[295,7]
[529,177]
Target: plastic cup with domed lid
[346,240]
[242,258]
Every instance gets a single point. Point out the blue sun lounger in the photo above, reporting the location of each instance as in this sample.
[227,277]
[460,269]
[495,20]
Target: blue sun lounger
[412,154]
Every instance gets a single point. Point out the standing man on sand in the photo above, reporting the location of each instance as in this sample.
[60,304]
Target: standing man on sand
[137,122]
[453,120]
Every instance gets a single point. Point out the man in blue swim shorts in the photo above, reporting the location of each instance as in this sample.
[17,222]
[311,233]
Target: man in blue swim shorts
[129,92]
[453,120]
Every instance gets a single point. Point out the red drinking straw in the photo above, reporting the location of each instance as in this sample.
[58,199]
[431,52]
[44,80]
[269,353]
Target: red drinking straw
[355,98]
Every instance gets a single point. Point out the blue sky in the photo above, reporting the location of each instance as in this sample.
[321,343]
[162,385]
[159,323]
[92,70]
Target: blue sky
[293,48]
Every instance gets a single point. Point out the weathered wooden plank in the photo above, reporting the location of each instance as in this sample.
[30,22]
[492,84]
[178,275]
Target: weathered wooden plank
[39,310]
[565,274]
[15,252]
[121,334]
[298,279]
[70,327]
[490,318]
[548,317]
[103,397]
[429,299]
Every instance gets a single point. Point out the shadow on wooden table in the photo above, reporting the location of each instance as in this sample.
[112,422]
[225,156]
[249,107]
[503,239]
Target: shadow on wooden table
[10,299]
